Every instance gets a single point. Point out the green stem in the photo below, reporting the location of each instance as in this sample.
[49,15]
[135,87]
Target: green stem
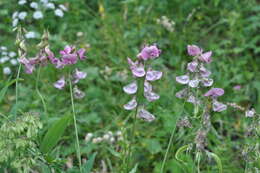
[38,91]
[170,141]
[132,140]
[16,88]
[75,126]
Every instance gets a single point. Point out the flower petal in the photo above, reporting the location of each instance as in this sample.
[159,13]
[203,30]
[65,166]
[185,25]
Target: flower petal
[151,96]
[147,87]
[194,50]
[218,106]
[182,93]
[78,94]
[206,57]
[145,115]
[214,92]
[138,71]
[153,75]
[60,83]
[207,82]
[194,83]
[131,88]
[192,66]
[184,79]
[131,104]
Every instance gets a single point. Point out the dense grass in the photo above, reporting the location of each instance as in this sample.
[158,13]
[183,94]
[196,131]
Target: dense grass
[116,30]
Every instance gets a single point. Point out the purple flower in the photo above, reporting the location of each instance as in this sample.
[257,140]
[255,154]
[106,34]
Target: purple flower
[149,52]
[153,75]
[207,82]
[151,96]
[204,72]
[130,88]
[69,56]
[81,53]
[214,92]
[192,66]
[192,99]
[194,83]
[147,87]
[182,93]
[60,83]
[206,57]
[29,67]
[78,94]
[145,115]
[131,104]
[184,79]
[79,75]
[218,106]
[137,68]
[250,113]
[237,87]
[67,50]
[194,50]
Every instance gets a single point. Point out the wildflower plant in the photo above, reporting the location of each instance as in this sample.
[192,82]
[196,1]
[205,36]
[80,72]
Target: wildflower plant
[141,89]
[8,60]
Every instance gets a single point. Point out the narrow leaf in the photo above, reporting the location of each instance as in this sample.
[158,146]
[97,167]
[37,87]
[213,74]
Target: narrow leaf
[89,164]
[179,151]
[218,161]
[134,169]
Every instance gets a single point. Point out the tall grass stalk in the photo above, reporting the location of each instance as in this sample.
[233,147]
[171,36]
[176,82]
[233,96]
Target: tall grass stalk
[38,91]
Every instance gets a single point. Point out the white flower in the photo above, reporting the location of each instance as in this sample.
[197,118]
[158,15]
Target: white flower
[15,22]
[21,2]
[22,15]
[34,5]
[13,62]
[4,53]
[50,5]
[3,48]
[37,15]
[12,54]
[15,14]
[106,137]
[30,34]
[4,59]
[59,12]
[63,7]
[7,70]
[44,1]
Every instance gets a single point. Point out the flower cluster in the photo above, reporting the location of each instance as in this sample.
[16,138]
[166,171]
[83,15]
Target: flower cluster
[37,10]
[198,76]
[166,23]
[141,86]
[7,58]
[109,137]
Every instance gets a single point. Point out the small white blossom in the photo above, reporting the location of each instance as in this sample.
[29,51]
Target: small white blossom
[22,15]
[15,14]
[34,5]
[30,34]
[4,59]
[106,137]
[37,15]
[21,2]
[63,7]
[7,70]
[44,1]
[12,54]
[50,5]
[4,53]
[13,62]
[59,12]
[15,22]
[3,48]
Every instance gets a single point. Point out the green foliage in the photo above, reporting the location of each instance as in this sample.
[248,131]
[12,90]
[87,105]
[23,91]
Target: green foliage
[18,147]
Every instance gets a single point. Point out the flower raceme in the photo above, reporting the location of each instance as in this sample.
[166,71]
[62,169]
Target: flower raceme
[141,86]
[198,76]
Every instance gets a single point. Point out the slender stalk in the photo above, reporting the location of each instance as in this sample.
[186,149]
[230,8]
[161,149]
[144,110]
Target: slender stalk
[170,141]
[75,126]
[132,140]
[38,91]
[16,88]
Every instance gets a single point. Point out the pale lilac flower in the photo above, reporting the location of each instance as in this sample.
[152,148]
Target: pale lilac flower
[250,113]
[145,115]
[204,72]
[193,99]
[60,84]
[218,106]
[78,94]
[206,57]
[237,87]
[194,83]
[207,82]
[130,88]
[131,104]
[29,67]
[153,75]
[79,75]
[137,68]
[151,96]
[81,53]
[194,50]
[149,52]
[192,66]
[184,79]
[147,87]
[214,92]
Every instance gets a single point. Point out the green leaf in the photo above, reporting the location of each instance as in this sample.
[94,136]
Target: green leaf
[4,90]
[217,159]
[134,169]
[54,134]
[153,145]
[89,164]
[114,153]
[180,150]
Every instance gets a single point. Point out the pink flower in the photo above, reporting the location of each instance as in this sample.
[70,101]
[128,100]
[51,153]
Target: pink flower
[214,92]
[206,57]
[194,50]
[204,72]
[237,87]
[81,53]
[137,68]
[60,83]
[149,52]
[29,66]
